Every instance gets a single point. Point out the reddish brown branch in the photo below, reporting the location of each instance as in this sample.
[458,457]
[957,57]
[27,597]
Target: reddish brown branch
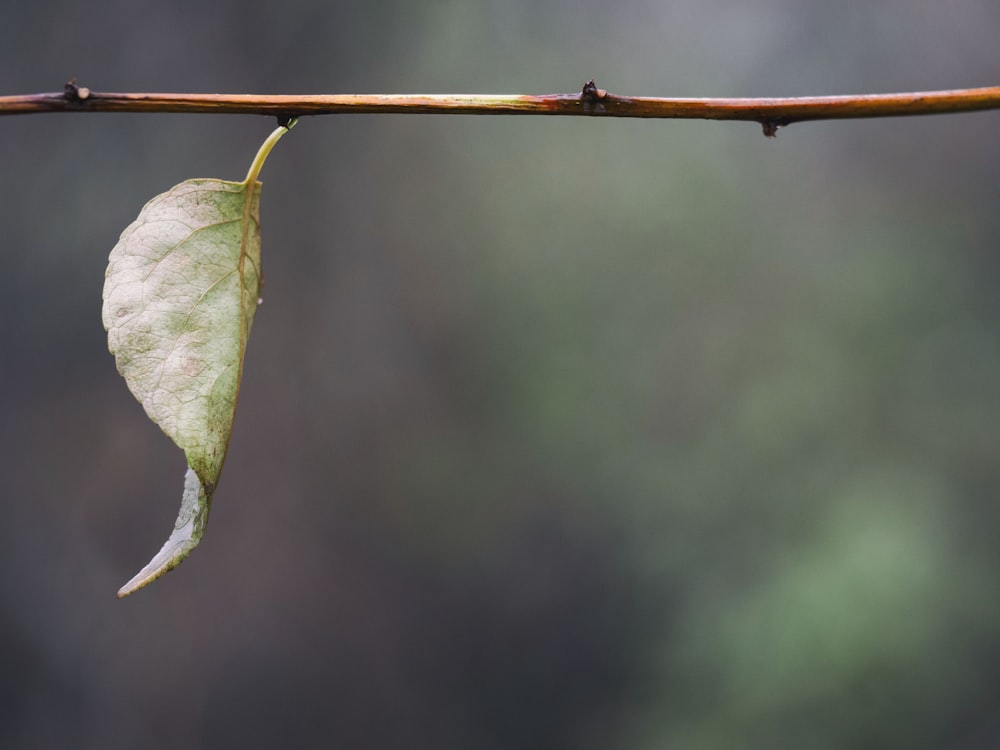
[590,102]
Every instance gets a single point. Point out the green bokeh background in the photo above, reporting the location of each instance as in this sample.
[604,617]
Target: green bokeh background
[560,433]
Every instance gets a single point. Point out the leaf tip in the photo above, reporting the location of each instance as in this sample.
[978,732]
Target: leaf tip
[188,531]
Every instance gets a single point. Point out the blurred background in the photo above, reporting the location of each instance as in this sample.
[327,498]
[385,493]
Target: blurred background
[554,433]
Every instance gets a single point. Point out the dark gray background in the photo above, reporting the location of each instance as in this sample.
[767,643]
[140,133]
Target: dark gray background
[553,432]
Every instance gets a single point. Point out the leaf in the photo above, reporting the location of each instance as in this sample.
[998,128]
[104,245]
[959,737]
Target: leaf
[180,294]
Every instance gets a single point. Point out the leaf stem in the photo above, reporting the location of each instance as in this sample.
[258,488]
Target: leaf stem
[265,148]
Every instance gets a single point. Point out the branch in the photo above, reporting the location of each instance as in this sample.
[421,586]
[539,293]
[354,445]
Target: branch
[590,102]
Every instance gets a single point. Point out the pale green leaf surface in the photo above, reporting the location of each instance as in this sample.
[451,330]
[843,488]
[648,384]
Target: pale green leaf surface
[180,293]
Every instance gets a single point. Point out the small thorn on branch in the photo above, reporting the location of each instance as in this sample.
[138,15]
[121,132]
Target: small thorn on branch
[770,127]
[591,93]
[74,93]
[592,97]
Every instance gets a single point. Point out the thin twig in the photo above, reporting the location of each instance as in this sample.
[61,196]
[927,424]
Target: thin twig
[590,102]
